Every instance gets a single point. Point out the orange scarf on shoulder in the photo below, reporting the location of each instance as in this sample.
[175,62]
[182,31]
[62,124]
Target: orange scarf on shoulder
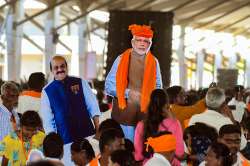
[95,161]
[149,79]
[31,93]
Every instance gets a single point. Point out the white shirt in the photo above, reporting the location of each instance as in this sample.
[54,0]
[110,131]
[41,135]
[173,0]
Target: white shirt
[203,163]
[34,156]
[105,115]
[240,109]
[157,160]
[47,114]
[94,143]
[5,121]
[215,120]
[210,118]
[67,155]
[28,103]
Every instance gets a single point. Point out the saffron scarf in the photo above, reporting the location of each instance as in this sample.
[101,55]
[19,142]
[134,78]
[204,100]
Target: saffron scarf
[149,79]
[164,143]
[31,93]
[95,161]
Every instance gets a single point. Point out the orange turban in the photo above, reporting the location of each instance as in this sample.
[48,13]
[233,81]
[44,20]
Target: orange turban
[164,143]
[141,30]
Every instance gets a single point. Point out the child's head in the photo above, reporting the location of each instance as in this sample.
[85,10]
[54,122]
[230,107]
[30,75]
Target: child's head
[122,158]
[106,125]
[82,152]
[30,123]
[129,146]
[53,146]
[111,140]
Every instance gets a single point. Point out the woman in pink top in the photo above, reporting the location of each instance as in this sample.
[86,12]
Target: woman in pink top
[159,118]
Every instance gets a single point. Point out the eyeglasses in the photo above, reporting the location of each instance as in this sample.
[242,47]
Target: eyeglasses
[142,41]
[63,66]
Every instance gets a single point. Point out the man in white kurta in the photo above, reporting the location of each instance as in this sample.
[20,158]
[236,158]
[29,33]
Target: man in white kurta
[217,114]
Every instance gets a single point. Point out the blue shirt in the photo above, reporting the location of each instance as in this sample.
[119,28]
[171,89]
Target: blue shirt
[48,116]
[110,83]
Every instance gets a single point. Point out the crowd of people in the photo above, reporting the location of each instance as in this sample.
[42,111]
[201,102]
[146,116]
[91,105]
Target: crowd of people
[65,123]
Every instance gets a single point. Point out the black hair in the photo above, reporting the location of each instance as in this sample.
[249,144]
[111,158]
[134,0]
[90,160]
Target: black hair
[53,146]
[123,158]
[246,123]
[202,93]
[109,136]
[36,81]
[41,163]
[102,105]
[229,129]
[31,119]
[158,100]
[191,97]
[173,92]
[109,124]
[222,152]
[83,144]
[100,95]
[201,130]
[202,137]
[109,99]
[229,94]
[129,145]
[238,88]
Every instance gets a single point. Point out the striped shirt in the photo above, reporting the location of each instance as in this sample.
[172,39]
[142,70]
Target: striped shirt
[5,121]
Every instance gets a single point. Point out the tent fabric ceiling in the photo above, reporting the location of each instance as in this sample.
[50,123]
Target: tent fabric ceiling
[220,15]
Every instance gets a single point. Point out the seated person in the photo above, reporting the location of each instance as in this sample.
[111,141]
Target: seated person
[110,141]
[122,158]
[163,154]
[230,135]
[198,138]
[82,152]
[105,125]
[218,154]
[53,148]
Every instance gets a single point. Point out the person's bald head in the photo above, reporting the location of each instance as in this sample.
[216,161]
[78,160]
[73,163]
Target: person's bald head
[58,67]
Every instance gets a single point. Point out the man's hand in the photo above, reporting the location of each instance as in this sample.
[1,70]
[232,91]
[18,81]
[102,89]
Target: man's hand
[226,111]
[134,96]
[96,122]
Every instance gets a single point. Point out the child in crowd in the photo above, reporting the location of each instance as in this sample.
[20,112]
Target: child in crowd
[105,125]
[82,152]
[16,146]
[122,158]
[110,141]
[53,148]
[218,154]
